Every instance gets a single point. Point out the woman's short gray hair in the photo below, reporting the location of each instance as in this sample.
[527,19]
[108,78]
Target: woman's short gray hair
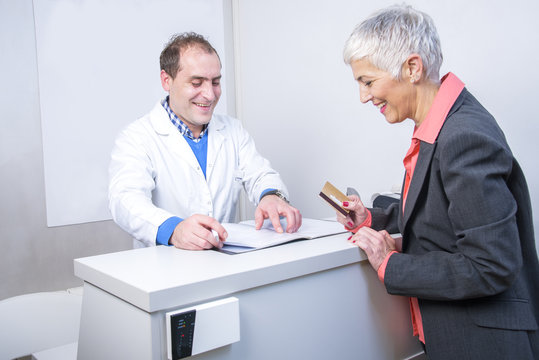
[389,36]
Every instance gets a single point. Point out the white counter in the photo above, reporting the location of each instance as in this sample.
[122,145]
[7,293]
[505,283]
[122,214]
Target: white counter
[162,277]
[292,298]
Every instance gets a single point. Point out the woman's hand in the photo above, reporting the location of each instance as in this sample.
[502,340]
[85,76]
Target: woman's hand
[376,244]
[357,215]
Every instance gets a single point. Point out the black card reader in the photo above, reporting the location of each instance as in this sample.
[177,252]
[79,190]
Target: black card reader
[182,329]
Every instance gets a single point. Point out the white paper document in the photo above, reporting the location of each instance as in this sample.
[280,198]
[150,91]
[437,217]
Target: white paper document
[244,237]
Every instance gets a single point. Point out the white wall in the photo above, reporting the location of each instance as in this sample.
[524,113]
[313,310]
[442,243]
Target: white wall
[94,80]
[299,100]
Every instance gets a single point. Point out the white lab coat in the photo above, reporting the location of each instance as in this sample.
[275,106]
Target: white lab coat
[154,174]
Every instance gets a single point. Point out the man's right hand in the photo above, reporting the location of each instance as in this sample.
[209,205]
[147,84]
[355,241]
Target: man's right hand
[195,233]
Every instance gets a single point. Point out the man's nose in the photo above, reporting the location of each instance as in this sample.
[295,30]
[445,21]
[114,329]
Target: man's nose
[208,91]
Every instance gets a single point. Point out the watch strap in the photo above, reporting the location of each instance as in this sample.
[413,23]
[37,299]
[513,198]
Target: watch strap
[277,193]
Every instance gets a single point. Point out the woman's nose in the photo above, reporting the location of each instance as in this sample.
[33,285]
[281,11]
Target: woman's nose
[364,94]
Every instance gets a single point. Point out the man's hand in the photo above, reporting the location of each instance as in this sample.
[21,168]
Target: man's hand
[376,244]
[272,207]
[195,233]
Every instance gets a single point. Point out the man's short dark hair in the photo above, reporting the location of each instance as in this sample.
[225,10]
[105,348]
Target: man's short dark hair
[170,56]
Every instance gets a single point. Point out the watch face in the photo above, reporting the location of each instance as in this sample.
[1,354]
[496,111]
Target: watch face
[281,195]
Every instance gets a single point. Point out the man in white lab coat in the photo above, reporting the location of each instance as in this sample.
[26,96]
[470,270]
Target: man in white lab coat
[177,172]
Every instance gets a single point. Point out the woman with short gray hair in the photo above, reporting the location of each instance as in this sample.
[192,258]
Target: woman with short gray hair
[467,260]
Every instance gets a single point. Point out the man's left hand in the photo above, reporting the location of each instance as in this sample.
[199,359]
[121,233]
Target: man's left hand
[272,207]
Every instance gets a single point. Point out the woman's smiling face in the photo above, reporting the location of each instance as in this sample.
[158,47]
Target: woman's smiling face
[394,98]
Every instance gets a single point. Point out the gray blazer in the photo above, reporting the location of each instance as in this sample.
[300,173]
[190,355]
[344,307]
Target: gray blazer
[468,245]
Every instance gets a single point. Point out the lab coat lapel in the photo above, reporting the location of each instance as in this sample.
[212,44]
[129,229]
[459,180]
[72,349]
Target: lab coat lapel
[178,145]
[173,140]
[215,141]
[426,152]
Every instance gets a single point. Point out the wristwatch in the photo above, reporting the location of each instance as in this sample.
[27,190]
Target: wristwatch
[278,193]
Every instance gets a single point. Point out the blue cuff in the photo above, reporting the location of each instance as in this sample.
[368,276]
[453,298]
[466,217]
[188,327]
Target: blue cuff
[165,230]
[263,192]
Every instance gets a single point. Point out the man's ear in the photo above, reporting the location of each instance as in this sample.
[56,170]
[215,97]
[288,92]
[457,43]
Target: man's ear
[165,80]
[413,68]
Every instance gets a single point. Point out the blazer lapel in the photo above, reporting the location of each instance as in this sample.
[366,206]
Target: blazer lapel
[426,151]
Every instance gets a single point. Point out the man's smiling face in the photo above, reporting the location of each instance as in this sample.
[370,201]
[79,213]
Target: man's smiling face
[196,89]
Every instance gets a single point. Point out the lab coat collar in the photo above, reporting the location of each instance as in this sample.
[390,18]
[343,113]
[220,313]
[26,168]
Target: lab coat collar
[160,120]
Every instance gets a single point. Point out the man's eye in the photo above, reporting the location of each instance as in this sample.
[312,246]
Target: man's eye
[368,83]
[196,84]
[216,83]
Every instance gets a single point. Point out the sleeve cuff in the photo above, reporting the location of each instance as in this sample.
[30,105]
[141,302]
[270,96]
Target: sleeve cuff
[367,222]
[165,230]
[382,268]
[264,193]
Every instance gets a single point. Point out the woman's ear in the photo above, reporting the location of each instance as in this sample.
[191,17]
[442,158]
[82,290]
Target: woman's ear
[413,68]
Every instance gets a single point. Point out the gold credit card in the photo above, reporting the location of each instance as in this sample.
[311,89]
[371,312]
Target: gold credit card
[334,197]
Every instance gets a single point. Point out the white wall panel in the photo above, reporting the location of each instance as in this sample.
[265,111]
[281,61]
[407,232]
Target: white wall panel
[98,64]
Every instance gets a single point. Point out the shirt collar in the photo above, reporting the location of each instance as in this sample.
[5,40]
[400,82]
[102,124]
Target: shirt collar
[184,130]
[448,93]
